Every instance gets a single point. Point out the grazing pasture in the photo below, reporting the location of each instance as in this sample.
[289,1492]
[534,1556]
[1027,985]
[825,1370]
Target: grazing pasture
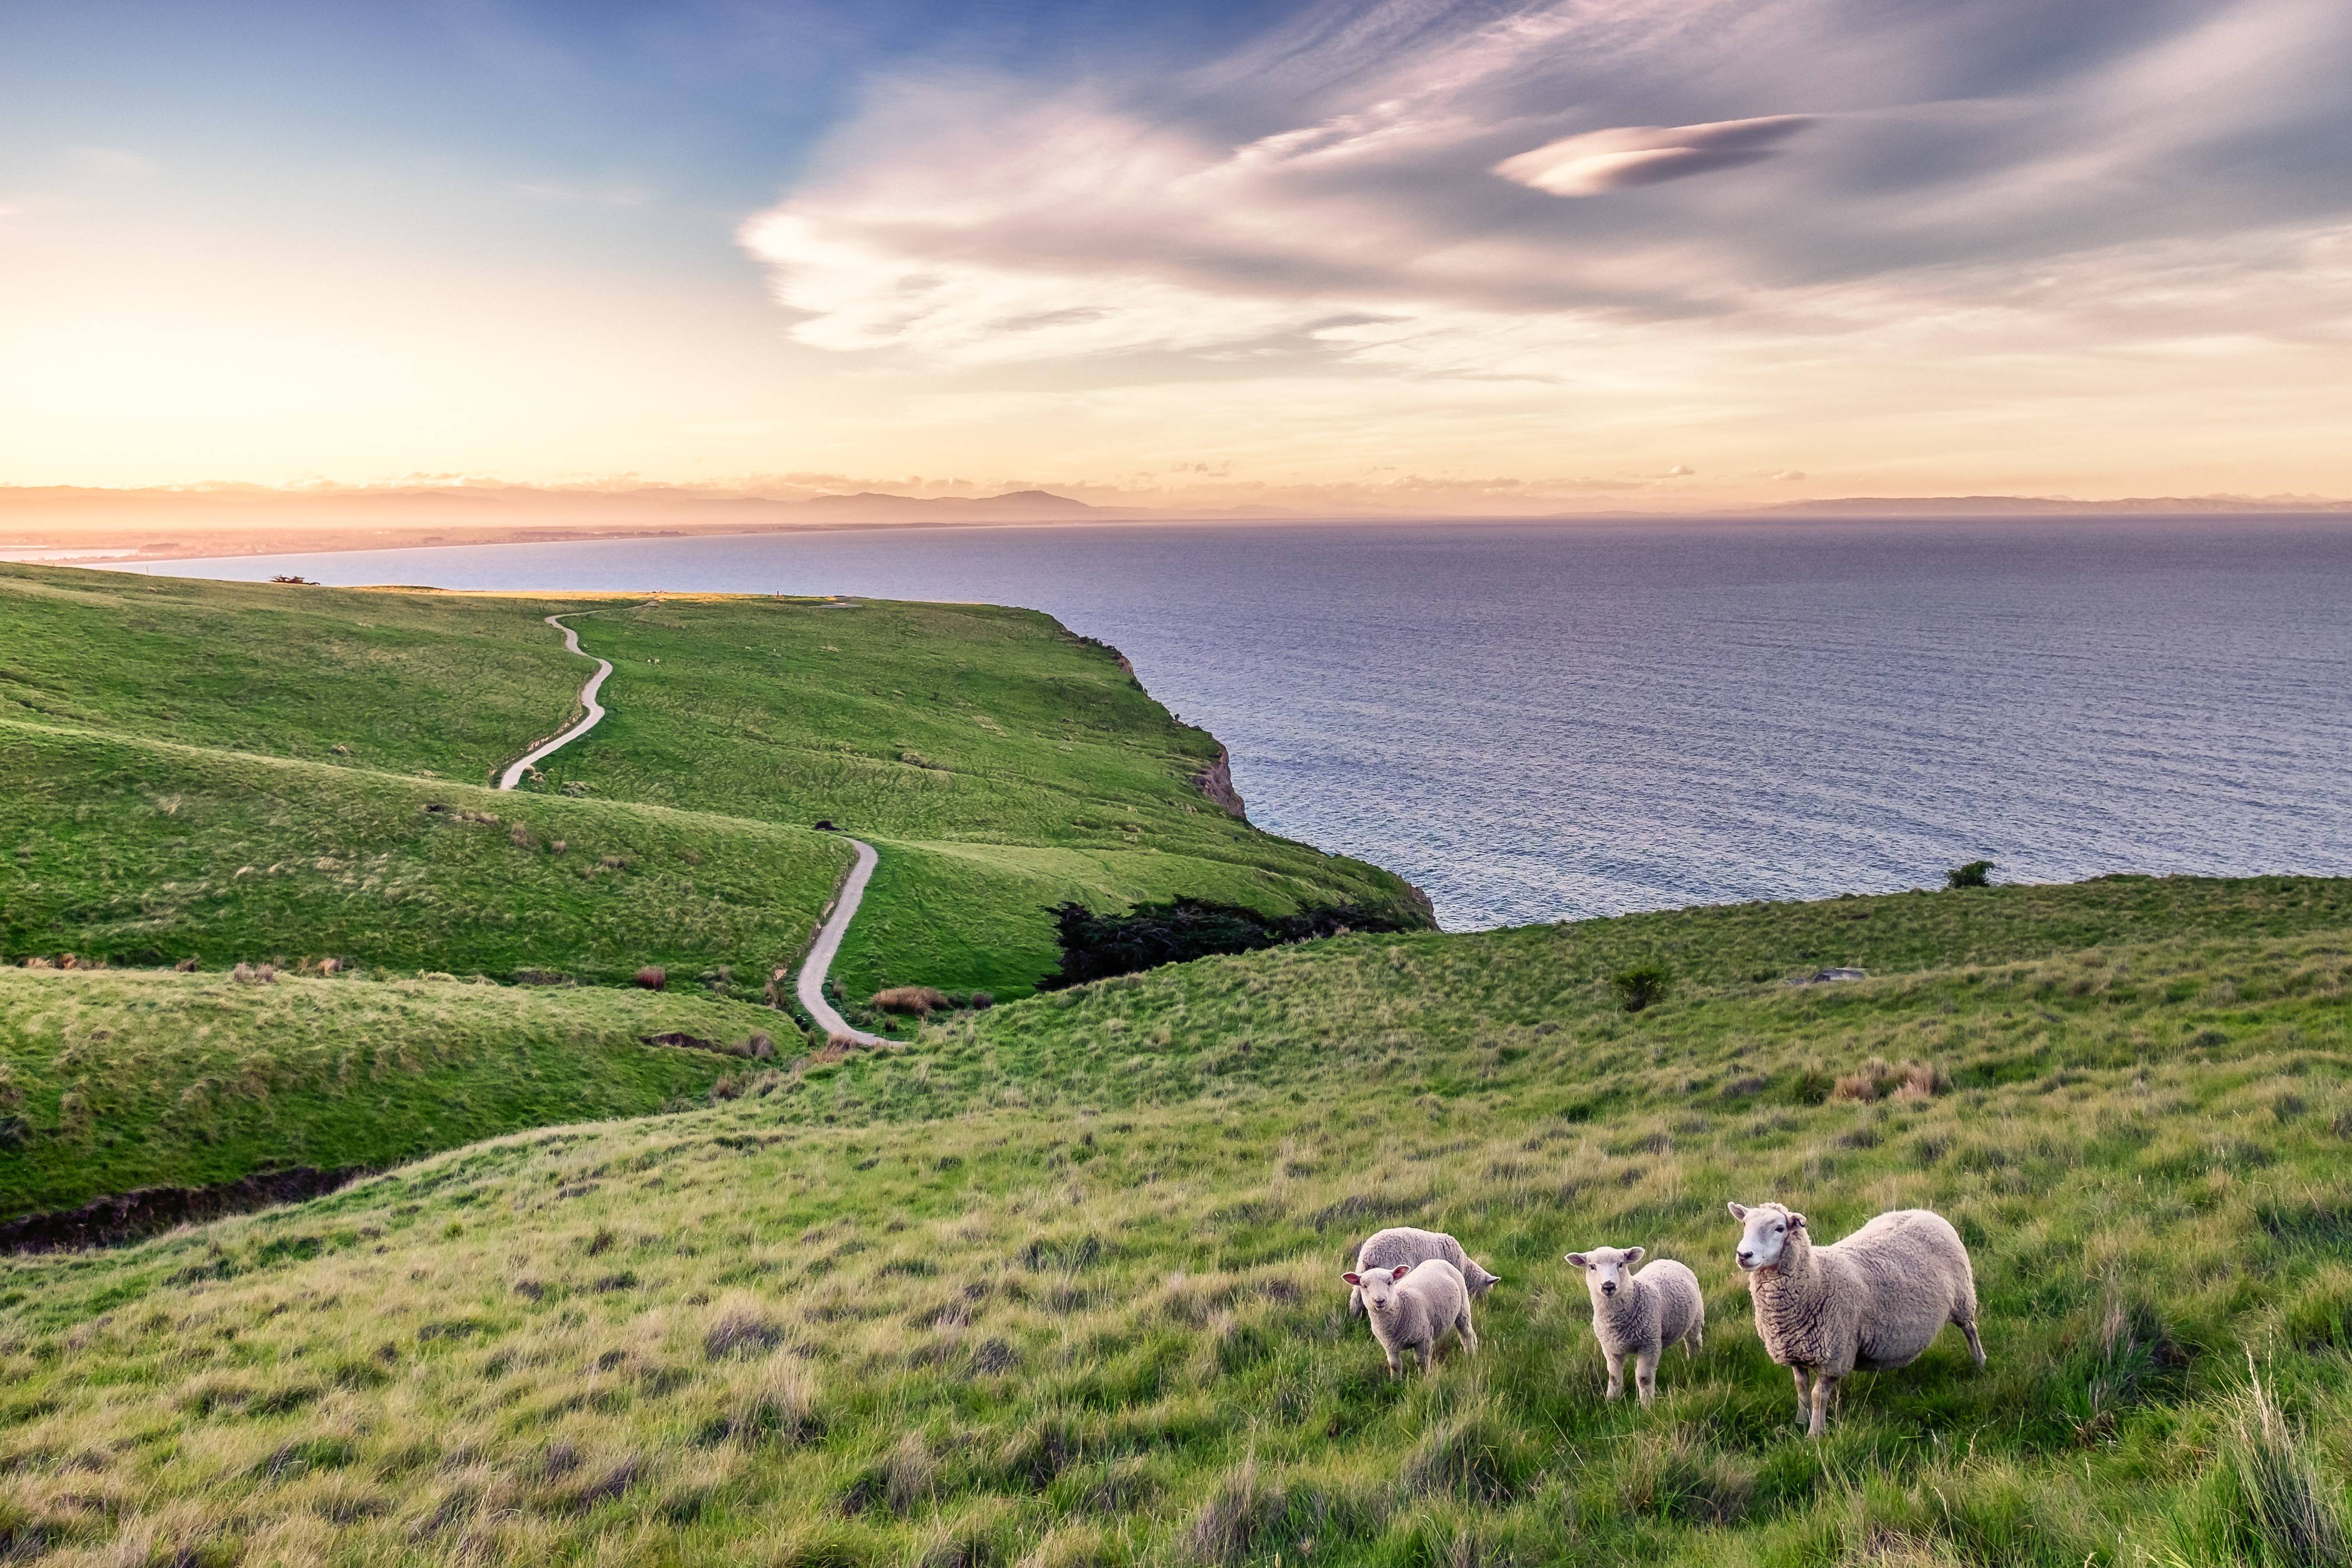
[1059,1282]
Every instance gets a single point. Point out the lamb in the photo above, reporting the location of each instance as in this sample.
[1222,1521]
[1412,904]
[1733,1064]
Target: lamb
[1641,1315]
[1874,1300]
[1414,1307]
[1404,1244]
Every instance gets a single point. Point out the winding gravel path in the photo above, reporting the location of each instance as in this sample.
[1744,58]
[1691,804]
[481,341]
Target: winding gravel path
[853,887]
[828,944]
[513,776]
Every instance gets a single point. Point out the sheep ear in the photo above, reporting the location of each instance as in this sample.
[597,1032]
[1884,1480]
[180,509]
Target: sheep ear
[1580,1260]
[1635,1254]
[1401,1270]
[1353,1278]
[1796,1221]
[1738,1211]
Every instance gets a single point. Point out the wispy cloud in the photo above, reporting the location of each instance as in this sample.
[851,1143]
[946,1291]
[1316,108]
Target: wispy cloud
[1373,184]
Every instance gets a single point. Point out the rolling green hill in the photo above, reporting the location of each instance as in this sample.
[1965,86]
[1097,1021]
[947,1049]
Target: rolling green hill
[238,771]
[116,1080]
[1058,1284]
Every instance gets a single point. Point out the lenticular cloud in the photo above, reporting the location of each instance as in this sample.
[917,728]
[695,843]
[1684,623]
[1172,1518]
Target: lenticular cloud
[1602,160]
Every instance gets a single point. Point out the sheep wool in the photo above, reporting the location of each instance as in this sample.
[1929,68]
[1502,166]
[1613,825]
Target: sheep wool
[1641,1315]
[1404,1244]
[1415,1309]
[1872,1301]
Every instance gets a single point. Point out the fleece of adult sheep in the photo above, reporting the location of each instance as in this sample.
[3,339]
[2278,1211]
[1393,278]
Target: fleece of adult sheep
[1414,1308]
[1641,1315]
[1404,1244]
[1872,1301]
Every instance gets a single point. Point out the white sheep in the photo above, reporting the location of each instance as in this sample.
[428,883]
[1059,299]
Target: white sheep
[1872,1301]
[1404,1244]
[1642,1315]
[1414,1307]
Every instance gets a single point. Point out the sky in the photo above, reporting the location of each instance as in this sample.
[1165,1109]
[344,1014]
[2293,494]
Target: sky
[1554,255]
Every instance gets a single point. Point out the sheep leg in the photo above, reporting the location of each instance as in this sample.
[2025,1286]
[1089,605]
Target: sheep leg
[1396,1367]
[1693,1343]
[1824,1385]
[1975,1345]
[1616,1374]
[1429,1359]
[1645,1375]
[1804,1392]
[1355,1302]
[1469,1335]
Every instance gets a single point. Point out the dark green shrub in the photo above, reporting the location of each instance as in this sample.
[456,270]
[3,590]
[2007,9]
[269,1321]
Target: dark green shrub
[1976,873]
[1097,946]
[1638,988]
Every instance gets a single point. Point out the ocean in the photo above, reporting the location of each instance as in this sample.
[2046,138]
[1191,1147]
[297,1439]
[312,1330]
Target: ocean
[1540,722]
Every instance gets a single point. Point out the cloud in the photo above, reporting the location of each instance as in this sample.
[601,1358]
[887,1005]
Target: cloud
[1334,190]
[1598,162]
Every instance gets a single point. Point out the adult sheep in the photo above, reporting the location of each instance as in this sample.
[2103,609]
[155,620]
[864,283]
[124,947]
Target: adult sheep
[1872,1301]
[1404,1244]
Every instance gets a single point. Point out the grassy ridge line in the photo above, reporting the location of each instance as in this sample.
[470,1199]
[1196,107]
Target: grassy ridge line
[981,739]
[1445,1018]
[153,851]
[1118,1337]
[927,724]
[115,1080]
[406,681]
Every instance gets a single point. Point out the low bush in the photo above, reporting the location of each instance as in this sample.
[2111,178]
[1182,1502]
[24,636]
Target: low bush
[911,1001]
[1097,946]
[1639,988]
[1976,873]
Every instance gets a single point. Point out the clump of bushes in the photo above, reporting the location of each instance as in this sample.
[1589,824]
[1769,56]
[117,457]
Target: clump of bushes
[911,1001]
[1638,988]
[652,977]
[1881,1079]
[1097,946]
[1976,873]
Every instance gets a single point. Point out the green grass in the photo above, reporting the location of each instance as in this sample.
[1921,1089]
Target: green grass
[1058,1284]
[114,1079]
[405,682]
[1000,764]
[159,737]
[151,853]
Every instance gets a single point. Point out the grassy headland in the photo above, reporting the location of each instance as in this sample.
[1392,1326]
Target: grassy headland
[1058,1284]
[1000,764]
[238,771]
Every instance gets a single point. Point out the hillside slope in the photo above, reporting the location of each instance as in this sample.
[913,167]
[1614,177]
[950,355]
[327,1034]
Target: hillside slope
[1059,1284]
[239,771]
[115,1080]
[1000,763]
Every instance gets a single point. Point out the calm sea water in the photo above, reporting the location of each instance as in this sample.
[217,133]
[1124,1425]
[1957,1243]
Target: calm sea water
[1535,721]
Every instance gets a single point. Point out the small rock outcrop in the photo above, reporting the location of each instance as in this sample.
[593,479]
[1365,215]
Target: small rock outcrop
[1216,781]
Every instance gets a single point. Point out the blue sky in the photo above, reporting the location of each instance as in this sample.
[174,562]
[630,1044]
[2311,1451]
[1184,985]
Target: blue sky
[1514,256]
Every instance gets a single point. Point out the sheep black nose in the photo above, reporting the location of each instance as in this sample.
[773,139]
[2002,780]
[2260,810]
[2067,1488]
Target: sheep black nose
[1609,1287]
[1745,1255]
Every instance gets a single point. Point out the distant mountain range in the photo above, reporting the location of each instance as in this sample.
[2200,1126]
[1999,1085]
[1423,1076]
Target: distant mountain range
[245,520]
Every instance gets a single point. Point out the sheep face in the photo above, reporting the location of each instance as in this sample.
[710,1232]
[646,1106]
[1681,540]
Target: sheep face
[1764,1233]
[1378,1286]
[1608,1270]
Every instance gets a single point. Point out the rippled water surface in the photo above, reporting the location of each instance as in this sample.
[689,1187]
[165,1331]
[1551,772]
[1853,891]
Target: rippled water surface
[1541,721]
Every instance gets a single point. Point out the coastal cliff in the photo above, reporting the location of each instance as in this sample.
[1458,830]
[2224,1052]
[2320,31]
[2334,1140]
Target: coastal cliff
[1216,781]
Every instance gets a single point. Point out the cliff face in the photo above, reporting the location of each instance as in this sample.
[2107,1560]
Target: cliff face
[1216,781]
